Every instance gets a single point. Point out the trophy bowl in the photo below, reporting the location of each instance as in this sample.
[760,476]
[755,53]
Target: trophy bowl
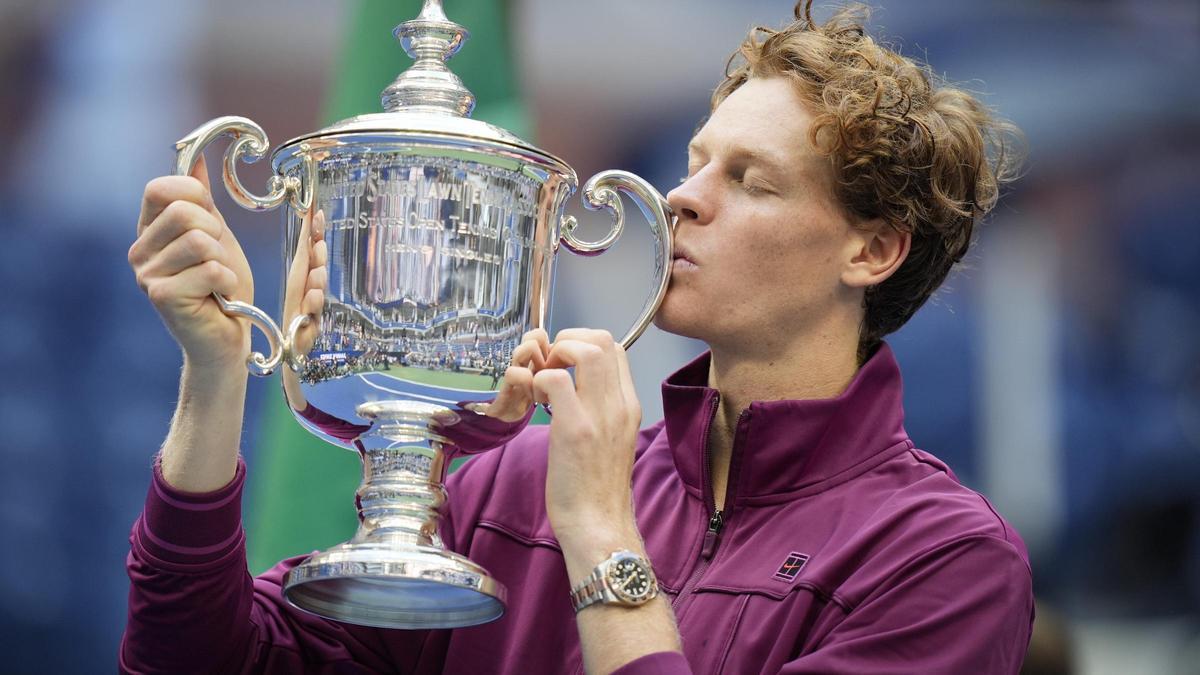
[441,233]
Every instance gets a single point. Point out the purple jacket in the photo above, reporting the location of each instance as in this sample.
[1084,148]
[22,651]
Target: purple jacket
[842,549]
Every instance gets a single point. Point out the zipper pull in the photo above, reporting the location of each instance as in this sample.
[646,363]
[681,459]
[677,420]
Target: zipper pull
[710,536]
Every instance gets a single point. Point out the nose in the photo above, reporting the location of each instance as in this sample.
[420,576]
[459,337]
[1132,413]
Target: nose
[689,202]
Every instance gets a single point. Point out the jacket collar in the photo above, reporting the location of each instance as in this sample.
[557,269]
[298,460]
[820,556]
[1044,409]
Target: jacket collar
[792,445]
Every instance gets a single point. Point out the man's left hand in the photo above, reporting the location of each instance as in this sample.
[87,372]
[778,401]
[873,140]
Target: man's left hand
[593,433]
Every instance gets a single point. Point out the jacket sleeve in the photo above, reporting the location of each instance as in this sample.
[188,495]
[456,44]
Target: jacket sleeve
[194,608]
[964,606]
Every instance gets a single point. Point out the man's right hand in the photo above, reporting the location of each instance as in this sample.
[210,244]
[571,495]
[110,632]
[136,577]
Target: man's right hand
[183,253]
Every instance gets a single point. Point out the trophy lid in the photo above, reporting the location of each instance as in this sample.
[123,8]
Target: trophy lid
[428,99]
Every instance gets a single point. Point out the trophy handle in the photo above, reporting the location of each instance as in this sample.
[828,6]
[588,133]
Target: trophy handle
[600,192]
[249,145]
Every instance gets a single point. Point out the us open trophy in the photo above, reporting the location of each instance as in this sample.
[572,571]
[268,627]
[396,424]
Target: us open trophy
[441,233]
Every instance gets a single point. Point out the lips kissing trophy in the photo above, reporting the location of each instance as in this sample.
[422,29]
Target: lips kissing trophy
[442,233]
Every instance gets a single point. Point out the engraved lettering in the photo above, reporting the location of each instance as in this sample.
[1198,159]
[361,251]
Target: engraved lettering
[372,187]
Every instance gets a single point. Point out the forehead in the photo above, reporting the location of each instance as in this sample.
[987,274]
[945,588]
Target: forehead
[764,118]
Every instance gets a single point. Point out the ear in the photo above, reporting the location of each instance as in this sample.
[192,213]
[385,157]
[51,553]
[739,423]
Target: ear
[876,251]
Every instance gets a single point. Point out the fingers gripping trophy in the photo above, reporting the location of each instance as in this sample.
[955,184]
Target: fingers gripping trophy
[439,238]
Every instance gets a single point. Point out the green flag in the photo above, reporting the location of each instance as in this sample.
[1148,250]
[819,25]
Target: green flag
[301,492]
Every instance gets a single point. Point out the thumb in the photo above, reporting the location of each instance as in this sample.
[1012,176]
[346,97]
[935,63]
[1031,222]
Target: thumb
[200,172]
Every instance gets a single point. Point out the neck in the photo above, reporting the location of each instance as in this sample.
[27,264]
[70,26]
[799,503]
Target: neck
[809,371]
[803,369]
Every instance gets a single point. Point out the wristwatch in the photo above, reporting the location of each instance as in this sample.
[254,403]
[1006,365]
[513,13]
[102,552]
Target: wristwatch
[625,579]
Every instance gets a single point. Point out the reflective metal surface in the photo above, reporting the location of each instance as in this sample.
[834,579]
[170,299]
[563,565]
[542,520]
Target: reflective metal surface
[601,193]
[395,573]
[441,234]
[437,266]
[430,40]
[249,145]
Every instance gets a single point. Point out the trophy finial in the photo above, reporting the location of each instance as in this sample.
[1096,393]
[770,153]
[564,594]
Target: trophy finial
[429,85]
[432,11]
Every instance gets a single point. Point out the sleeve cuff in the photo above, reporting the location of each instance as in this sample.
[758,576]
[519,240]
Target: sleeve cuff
[189,529]
[658,663]
[479,432]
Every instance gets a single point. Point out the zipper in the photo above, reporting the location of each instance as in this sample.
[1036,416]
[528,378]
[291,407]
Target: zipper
[710,537]
[716,521]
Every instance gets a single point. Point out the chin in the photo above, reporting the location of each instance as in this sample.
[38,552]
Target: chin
[685,322]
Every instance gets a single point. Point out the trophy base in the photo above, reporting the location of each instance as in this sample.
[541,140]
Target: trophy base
[385,586]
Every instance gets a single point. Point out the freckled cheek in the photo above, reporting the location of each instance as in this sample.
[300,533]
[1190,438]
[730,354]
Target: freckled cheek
[791,262]
[779,250]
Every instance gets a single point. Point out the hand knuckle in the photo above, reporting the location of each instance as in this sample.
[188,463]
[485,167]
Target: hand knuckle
[189,249]
[158,293]
[198,244]
[551,377]
[214,271]
[158,190]
[175,211]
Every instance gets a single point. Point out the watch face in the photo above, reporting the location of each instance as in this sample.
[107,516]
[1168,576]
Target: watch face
[630,580]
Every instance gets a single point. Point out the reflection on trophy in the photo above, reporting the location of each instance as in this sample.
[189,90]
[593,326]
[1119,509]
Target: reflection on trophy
[441,233]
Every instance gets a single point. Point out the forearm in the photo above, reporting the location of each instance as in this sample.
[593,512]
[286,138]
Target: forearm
[200,453]
[613,636]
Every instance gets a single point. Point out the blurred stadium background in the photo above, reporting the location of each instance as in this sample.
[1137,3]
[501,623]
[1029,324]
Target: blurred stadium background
[1059,373]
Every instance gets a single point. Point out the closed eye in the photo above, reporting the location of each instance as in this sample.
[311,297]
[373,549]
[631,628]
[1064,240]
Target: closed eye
[753,188]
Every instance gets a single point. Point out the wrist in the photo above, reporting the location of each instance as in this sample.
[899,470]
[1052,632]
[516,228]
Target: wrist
[584,548]
[223,375]
[587,520]
[200,453]
[623,579]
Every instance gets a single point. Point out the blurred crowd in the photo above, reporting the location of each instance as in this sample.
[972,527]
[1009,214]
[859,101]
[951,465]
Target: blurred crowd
[1058,373]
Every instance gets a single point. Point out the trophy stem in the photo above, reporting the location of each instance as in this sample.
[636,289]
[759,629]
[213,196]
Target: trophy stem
[401,494]
[395,572]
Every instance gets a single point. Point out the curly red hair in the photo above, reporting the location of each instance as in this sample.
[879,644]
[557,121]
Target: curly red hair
[926,157]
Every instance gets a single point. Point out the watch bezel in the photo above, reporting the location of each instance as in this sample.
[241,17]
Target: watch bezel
[613,577]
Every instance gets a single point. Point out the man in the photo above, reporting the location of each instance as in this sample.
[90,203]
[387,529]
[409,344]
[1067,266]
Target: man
[790,523]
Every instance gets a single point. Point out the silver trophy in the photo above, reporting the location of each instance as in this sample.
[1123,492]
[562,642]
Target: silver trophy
[442,233]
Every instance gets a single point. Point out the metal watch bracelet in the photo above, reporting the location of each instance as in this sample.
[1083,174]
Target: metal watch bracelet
[595,587]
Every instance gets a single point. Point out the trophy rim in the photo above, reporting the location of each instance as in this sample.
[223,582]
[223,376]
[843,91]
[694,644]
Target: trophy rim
[383,575]
[427,128]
